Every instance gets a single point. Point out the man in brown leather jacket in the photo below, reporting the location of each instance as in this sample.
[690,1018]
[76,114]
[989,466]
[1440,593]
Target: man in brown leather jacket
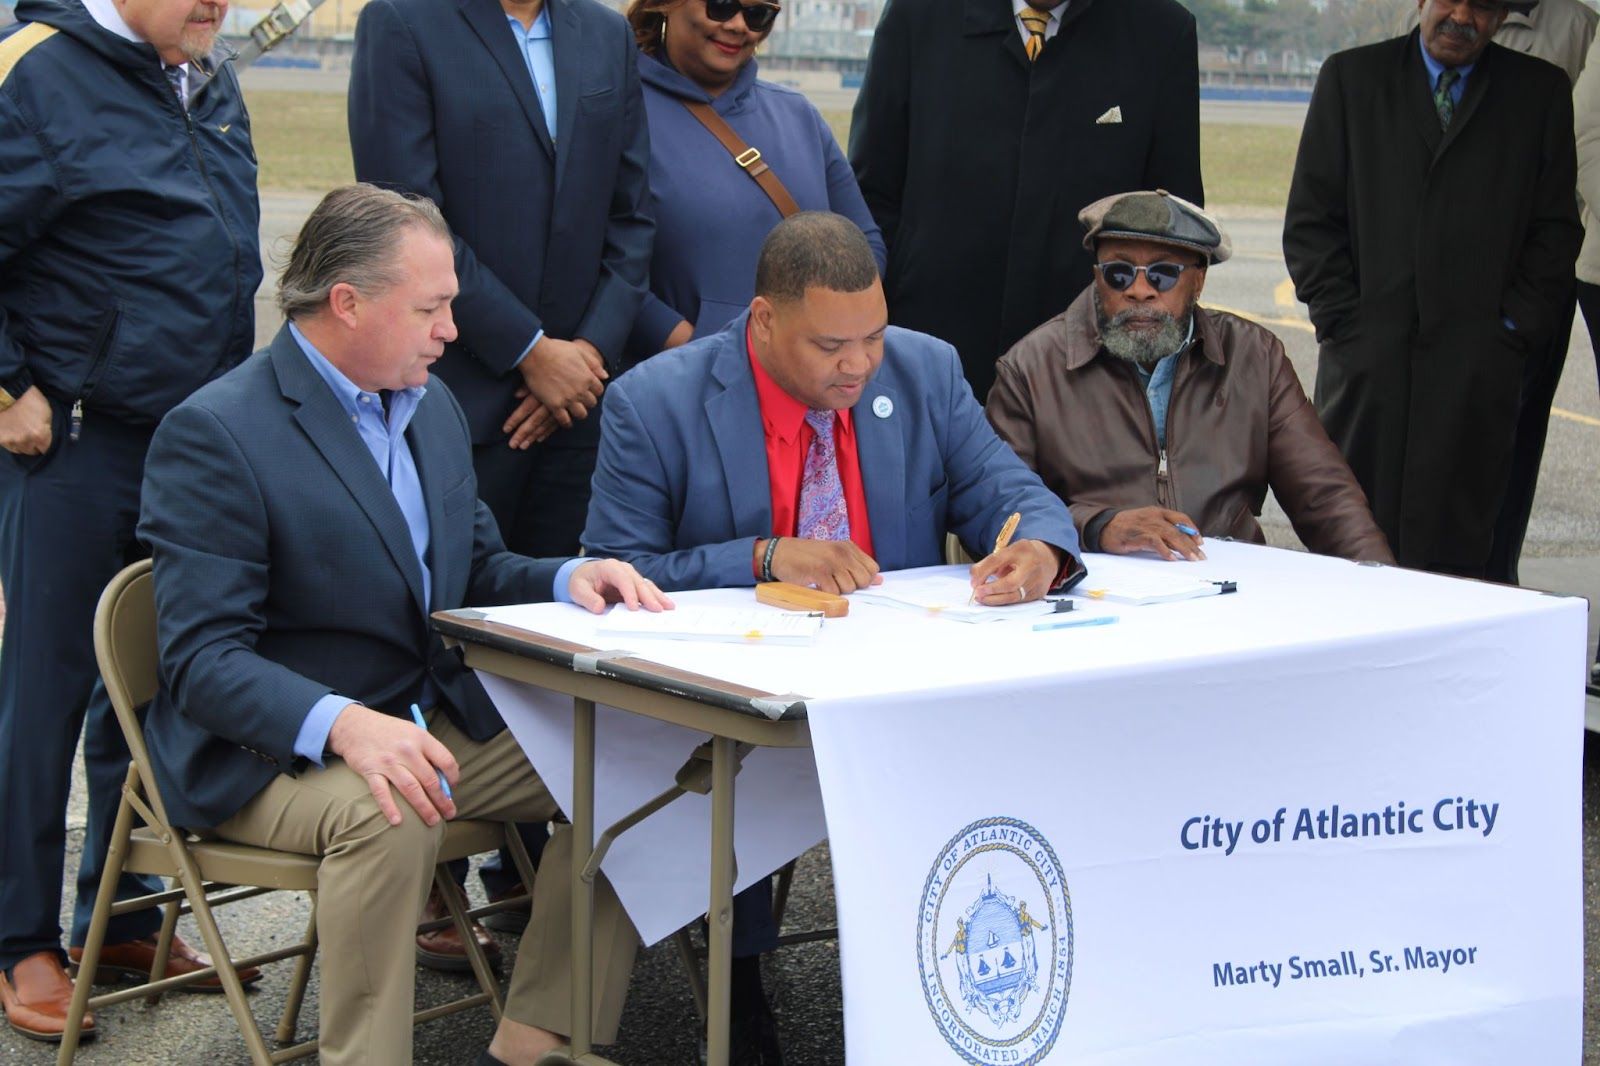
[1160,423]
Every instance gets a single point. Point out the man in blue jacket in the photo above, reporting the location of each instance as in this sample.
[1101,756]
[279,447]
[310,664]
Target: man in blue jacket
[128,267]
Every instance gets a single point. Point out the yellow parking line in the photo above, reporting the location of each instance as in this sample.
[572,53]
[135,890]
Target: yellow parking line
[1573,416]
[1283,293]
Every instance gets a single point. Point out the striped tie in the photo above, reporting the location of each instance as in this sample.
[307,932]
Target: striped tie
[822,510]
[1034,21]
[1443,102]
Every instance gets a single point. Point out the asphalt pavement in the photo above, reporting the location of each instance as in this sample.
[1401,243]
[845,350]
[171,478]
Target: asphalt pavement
[659,1026]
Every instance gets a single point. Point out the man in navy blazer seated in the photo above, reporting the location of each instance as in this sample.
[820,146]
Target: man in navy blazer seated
[306,512]
[712,471]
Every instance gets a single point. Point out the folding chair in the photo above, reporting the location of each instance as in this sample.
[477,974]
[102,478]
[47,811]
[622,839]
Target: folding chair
[208,873]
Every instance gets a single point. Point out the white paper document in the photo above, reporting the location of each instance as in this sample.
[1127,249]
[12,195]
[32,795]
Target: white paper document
[731,625]
[1143,581]
[946,593]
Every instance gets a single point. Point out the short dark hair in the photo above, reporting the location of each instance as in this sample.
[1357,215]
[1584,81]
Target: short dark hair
[814,248]
[351,236]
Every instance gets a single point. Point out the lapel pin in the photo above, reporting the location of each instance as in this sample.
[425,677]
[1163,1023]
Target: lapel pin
[882,406]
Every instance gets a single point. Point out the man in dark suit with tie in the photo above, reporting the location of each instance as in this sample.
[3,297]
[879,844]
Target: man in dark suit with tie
[305,513]
[1432,231]
[524,122]
[984,125]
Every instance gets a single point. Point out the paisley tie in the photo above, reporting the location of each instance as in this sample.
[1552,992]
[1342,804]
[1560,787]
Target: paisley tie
[822,510]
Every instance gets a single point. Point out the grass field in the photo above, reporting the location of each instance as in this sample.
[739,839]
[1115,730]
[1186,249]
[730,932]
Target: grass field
[301,141]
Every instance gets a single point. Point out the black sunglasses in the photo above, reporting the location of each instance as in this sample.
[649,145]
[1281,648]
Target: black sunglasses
[757,17]
[1120,276]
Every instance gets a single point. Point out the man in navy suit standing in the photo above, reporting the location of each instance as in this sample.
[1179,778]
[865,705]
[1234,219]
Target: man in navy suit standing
[524,122]
[305,513]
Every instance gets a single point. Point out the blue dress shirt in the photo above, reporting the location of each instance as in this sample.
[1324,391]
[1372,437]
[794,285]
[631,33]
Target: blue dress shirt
[538,51]
[1436,68]
[385,437]
[1158,385]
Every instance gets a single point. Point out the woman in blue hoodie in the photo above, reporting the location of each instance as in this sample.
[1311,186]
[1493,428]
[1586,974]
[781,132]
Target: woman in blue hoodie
[711,216]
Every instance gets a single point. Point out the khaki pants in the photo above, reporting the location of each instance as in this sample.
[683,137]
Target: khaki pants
[374,879]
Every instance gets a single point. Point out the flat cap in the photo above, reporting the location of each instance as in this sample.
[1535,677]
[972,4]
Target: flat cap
[1155,216]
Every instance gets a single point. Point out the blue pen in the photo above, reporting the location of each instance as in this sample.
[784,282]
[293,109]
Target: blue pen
[1068,621]
[1193,532]
[416,716]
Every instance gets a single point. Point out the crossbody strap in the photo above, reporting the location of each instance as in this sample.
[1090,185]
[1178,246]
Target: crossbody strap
[748,158]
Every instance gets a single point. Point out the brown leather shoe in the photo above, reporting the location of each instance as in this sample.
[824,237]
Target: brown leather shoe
[442,949]
[37,996]
[131,962]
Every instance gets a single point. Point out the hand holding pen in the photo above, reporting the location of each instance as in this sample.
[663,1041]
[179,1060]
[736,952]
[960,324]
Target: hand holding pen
[1015,572]
[1169,534]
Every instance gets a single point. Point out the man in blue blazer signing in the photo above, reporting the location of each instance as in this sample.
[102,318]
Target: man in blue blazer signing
[811,442]
[305,513]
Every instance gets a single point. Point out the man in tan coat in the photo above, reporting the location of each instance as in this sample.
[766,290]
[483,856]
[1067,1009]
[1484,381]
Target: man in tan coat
[1160,423]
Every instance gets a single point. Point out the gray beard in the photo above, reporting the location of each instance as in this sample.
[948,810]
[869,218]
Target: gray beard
[1144,346]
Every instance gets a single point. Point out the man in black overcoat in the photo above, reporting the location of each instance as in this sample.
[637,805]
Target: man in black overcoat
[975,159]
[1432,231]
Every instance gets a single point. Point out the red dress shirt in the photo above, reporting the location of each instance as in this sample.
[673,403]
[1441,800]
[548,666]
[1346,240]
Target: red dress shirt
[788,438]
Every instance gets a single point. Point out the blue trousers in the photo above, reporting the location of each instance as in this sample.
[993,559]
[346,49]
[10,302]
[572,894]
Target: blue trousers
[67,523]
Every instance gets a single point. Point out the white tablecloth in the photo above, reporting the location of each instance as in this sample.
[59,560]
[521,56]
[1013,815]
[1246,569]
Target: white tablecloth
[1089,782]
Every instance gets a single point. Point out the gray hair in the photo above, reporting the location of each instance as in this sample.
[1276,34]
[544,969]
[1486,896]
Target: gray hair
[814,248]
[351,237]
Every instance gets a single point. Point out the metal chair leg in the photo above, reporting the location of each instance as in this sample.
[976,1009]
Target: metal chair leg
[116,855]
[169,928]
[456,904]
[298,983]
[691,970]
[200,907]
[780,895]
[520,857]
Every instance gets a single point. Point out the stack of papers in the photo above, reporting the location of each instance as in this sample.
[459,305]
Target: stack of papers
[944,595]
[734,625]
[1141,581]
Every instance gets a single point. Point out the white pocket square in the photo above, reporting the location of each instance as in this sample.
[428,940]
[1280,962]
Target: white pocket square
[1112,117]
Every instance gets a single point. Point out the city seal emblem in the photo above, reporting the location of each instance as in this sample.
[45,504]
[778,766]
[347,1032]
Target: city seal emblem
[994,943]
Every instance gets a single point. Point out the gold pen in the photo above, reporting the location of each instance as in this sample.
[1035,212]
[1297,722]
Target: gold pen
[1007,531]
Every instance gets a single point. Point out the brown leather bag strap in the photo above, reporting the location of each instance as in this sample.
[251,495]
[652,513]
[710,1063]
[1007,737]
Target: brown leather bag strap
[748,158]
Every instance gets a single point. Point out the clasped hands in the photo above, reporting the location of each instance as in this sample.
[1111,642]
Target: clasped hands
[1023,570]
[561,382]
[392,755]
